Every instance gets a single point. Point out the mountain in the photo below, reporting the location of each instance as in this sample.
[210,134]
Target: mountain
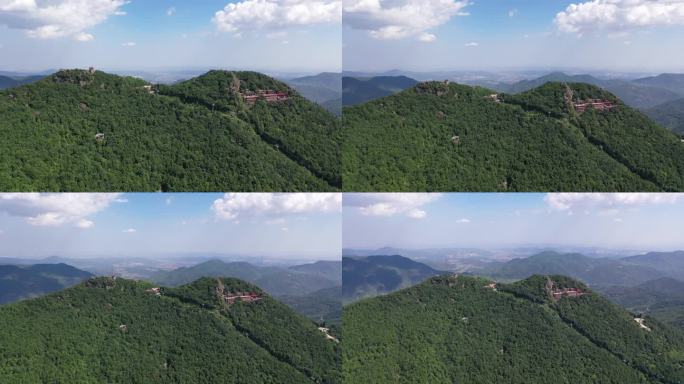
[19,282]
[468,330]
[122,331]
[10,82]
[331,270]
[670,263]
[441,136]
[670,115]
[276,280]
[596,272]
[670,81]
[633,93]
[377,275]
[319,88]
[661,298]
[7,82]
[83,130]
[322,89]
[323,305]
[361,90]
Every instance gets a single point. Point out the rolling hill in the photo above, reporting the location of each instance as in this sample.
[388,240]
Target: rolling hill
[466,330]
[661,298]
[80,130]
[19,282]
[361,90]
[669,114]
[10,82]
[597,272]
[377,275]
[640,93]
[322,88]
[122,331]
[296,280]
[450,137]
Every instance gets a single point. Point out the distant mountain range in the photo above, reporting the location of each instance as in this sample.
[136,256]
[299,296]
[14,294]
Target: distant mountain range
[660,97]
[9,82]
[471,330]
[215,330]
[376,275]
[440,136]
[19,282]
[361,90]
[324,89]
[81,130]
[311,289]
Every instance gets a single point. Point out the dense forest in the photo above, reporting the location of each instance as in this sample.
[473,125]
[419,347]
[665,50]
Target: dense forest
[465,330]
[121,331]
[450,137]
[18,282]
[90,131]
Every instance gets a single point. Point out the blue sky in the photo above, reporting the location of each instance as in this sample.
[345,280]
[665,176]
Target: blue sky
[164,34]
[83,225]
[592,35]
[486,220]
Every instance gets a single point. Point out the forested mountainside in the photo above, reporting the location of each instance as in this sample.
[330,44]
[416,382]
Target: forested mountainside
[313,290]
[18,282]
[670,115]
[361,90]
[81,130]
[558,137]
[471,330]
[297,280]
[122,331]
[377,275]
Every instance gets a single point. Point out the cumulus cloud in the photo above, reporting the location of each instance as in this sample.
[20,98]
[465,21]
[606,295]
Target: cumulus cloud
[391,204]
[49,19]
[276,14]
[234,205]
[398,19]
[56,209]
[619,15]
[607,202]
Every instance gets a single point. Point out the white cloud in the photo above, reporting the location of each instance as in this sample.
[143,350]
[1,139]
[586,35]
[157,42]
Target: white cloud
[427,37]
[398,19]
[129,44]
[84,223]
[170,11]
[168,200]
[607,203]
[463,221]
[48,19]
[129,230]
[56,209]
[472,44]
[234,205]
[391,204]
[513,12]
[84,37]
[275,14]
[619,15]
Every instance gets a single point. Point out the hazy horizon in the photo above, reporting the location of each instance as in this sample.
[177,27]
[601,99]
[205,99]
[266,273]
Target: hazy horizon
[267,35]
[260,225]
[628,221]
